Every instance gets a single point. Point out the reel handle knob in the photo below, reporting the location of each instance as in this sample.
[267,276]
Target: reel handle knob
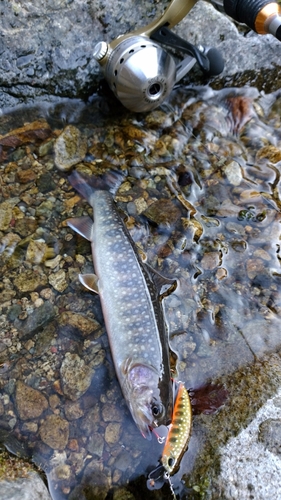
[100,51]
[262,16]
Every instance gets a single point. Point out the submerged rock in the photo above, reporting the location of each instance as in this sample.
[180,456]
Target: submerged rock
[30,487]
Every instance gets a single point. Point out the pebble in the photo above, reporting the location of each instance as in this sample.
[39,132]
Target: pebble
[54,431]
[76,376]
[113,433]
[30,402]
[28,281]
[233,173]
[70,148]
[58,280]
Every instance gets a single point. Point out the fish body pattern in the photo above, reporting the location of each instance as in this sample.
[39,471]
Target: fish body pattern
[131,307]
[179,432]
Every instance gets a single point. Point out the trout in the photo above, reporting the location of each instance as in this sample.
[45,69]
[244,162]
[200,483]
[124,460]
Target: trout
[131,301]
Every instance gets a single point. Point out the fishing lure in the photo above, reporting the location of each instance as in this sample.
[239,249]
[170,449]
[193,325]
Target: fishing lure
[179,431]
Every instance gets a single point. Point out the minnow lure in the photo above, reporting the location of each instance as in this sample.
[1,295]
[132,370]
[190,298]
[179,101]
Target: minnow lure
[131,300]
[179,431]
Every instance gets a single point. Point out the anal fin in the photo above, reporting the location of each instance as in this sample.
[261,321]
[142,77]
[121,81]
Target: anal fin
[82,225]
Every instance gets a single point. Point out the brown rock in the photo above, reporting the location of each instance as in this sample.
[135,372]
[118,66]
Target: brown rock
[54,432]
[30,403]
[25,176]
[113,432]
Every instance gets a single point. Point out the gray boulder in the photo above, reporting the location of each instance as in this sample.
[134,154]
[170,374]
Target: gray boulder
[46,47]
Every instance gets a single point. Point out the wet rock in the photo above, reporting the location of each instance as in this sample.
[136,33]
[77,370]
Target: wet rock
[162,212]
[86,326]
[70,148]
[30,403]
[6,213]
[28,281]
[113,433]
[36,251]
[112,413]
[96,444]
[270,435]
[73,411]
[36,320]
[123,494]
[76,376]
[210,260]
[58,280]
[54,431]
[45,182]
[31,487]
[96,480]
[233,173]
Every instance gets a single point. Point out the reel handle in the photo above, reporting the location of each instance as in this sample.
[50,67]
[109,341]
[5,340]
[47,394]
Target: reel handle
[262,16]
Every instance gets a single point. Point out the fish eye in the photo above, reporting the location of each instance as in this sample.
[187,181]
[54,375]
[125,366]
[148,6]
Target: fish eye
[157,409]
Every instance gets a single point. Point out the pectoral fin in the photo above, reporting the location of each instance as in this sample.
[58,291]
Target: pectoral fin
[82,225]
[90,281]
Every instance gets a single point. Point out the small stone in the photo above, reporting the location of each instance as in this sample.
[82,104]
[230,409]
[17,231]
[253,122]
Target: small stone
[254,268]
[112,413]
[54,431]
[73,445]
[221,273]
[262,254]
[45,183]
[76,376]
[36,251]
[30,403]
[73,411]
[25,176]
[233,173]
[30,427]
[28,281]
[70,148]
[210,261]
[86,326]
[113,433]
[96,444]
[140,205]
[54,401]
[62,472]
[58,280]
[52,263]
[163,212]
[6,213]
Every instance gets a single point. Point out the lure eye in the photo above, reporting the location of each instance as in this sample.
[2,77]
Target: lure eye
[171,462]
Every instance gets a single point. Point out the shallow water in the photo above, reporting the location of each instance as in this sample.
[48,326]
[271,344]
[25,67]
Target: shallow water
[201,191]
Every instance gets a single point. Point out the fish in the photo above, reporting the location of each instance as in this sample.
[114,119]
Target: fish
[179,431]
[131,295]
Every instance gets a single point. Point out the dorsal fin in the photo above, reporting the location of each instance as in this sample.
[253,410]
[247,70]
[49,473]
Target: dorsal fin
[164,286]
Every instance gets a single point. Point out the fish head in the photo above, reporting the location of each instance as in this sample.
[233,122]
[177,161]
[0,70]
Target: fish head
[144,399]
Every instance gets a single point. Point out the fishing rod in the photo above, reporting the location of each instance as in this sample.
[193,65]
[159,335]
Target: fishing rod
[142,73]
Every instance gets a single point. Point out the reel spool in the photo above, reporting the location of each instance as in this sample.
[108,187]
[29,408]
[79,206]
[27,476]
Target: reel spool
[140,72]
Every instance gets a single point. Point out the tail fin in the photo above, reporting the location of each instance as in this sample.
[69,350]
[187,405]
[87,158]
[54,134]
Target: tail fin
[85,184]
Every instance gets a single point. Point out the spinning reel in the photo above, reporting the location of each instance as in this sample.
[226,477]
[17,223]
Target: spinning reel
[141,73]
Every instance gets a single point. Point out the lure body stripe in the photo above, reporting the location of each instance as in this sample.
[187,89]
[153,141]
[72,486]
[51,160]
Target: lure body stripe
[179,432]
